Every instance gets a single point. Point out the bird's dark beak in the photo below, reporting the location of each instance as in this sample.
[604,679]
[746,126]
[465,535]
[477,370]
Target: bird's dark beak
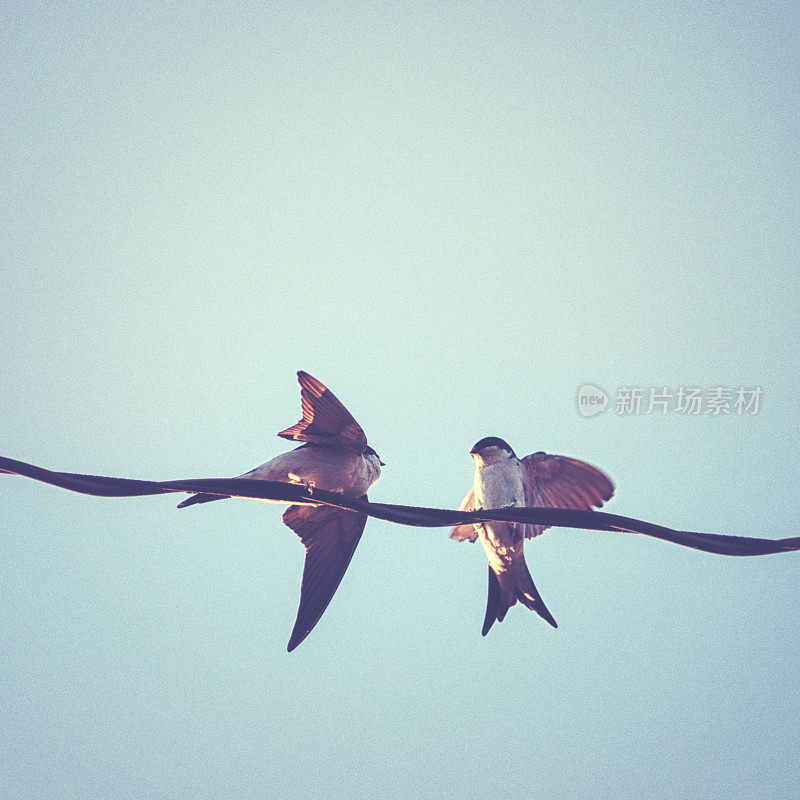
[382,463]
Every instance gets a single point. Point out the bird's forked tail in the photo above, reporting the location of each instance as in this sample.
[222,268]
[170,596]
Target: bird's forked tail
[511,586]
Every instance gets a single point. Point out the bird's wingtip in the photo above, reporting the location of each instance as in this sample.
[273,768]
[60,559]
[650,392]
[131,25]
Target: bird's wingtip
[296,639]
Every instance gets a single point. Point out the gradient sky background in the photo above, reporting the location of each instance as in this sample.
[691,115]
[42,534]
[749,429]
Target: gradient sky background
[453,215]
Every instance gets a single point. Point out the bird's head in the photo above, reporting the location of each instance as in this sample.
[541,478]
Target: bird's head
[374,463]
[373,456]
[490,450]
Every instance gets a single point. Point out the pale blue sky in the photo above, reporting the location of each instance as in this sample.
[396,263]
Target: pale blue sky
[453,215]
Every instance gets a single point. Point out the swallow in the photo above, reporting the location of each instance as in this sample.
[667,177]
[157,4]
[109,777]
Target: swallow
[504,481]
[334,457]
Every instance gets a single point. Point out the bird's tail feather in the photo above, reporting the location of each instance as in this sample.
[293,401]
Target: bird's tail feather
[202,498]
[516,584]
[496,607]
[526,592]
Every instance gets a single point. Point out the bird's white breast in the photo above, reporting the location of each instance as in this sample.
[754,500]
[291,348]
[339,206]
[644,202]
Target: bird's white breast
[499,484]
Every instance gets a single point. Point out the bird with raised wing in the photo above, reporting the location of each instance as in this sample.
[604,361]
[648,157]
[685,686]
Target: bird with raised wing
[504,481]
[334,457]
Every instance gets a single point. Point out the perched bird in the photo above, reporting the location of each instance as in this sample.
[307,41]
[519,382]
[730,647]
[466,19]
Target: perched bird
[334,457]
[503,481]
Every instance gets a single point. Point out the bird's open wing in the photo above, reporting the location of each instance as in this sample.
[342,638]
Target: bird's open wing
[325,419]
[561,482]
[468,532]
[330,536]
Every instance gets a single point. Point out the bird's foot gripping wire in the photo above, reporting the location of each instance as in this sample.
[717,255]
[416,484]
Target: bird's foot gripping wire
[296,479]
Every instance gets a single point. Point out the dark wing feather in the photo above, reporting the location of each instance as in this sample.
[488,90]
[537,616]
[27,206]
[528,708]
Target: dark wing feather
[468,532]
[330,536]
[325,419]
[561,482]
